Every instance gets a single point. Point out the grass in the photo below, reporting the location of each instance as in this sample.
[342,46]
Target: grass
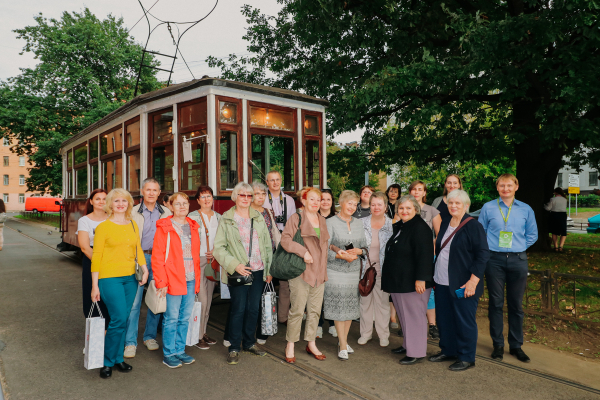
[584,209]
[50,219]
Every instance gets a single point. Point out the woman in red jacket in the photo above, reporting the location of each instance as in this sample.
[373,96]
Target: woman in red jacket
[177,275]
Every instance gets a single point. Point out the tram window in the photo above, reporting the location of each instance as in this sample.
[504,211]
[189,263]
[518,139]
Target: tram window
[162,162]
[133,134]
[133,172]
[195,173]
[312,163]
[227,112]
[111,141]
[274,153]
[94,176]
[228,160]
[162,128]
[69,159]
[311,125]
[261,117]
[69,190]
[80,154]
[93,148]
[112,172]
[193,114]
[81,186]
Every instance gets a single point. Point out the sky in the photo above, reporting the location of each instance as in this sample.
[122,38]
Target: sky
[219,35]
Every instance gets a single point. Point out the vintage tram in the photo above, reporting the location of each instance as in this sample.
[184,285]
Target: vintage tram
[203,132]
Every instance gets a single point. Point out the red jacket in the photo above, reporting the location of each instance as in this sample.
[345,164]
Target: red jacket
[172,273]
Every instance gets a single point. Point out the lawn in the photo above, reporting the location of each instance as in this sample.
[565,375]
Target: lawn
[46,218]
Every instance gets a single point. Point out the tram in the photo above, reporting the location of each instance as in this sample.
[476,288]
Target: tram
[203,132]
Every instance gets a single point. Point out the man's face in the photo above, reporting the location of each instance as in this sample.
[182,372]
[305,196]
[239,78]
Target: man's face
[507,188]
[150,191]
[274,182]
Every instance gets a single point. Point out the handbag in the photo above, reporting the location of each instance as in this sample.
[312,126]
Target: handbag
[367,282]
[286,265]
[268,321]
[213,273]
[237,279]
[139,273]
[157,304]
[94,340]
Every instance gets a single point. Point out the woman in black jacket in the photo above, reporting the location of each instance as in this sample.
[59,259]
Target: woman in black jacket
[407,274]
[462,254]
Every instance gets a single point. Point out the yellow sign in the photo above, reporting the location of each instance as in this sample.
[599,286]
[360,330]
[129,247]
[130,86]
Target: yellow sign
[574,190]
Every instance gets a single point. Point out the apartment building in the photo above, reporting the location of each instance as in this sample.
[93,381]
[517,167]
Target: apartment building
[13,172]
[588,179]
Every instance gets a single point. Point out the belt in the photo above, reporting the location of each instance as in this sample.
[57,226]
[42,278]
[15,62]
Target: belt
[148,252]
[507,252]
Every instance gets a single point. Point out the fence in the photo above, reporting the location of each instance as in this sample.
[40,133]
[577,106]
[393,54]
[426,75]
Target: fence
[43,217]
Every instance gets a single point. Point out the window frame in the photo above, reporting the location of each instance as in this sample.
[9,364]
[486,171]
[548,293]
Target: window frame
[114,153]
[6,180]
[595,183]
[152,145]
[188,129]
[24,161]
[306,137]
[238,128]
[101,172]
[22,195]
[87,178]
[21,179]
[127,155]
[6,161]
[87,153]
[91,159]
[130,150]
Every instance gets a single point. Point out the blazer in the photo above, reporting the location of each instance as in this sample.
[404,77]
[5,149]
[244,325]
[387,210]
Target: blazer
[408,257]
[469,254]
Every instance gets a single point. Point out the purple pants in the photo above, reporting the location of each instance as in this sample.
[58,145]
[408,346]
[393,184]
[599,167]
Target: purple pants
[412,312]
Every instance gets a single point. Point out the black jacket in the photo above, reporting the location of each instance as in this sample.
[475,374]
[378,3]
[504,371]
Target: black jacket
[469,254]
[408,257]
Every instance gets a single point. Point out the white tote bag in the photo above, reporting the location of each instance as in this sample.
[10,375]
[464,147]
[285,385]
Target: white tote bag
[157,304]
[94,340]
[193,333]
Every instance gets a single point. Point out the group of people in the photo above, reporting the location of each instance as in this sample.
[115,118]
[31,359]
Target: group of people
[414,248]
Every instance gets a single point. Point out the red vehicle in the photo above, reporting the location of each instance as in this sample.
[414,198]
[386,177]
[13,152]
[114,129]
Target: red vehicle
[42,204]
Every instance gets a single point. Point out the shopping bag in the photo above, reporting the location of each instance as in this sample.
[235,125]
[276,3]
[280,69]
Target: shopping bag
[224,288]
[193,333]
[94,340]
[268,322]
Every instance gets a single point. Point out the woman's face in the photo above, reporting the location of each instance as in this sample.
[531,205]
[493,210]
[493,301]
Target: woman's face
[312,203]
[348,207]
[377,207]
[99,201]
[119,205]
[243,199]
[456,207]
[365,196]
[259,198]
[451,184]
[181,207]
[393,194]
[326,202]
[406,211]
[205,201]
[418,192]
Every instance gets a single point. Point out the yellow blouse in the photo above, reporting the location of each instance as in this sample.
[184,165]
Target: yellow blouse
[114,250]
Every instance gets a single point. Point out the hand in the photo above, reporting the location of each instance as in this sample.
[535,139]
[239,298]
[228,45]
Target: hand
[355,251]
[162,292]
[95,294]
[209,256]
[308,258]
[243,270]
[350,257]
[145,276]
[269,278]
[470,287]
[420,287]
[342,252]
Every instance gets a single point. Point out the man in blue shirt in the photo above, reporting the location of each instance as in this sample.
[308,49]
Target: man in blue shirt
[511,229]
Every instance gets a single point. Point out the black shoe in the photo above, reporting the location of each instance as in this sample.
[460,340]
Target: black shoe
[124,367]
[498,353]
[410,360]
[434,333]
[439,357]
[399,350]
[461,366]
[105,372]
[521,356]
[400,333]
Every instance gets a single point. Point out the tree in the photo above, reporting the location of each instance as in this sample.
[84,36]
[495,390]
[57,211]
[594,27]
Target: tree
[87,68]
[346,168]
[442,69]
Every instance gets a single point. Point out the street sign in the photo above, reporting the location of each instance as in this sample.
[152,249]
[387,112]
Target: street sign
[573,180]
[574,190]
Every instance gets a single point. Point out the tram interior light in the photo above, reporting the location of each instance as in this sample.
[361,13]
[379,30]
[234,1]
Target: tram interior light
[307,123]
[226,112]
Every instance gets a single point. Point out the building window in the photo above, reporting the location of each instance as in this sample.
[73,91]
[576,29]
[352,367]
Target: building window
[593,178]
[6,161]
[21,180]
[5,180]
[21,161]
[559,181]
[21,198]
[5,197]
[6,141]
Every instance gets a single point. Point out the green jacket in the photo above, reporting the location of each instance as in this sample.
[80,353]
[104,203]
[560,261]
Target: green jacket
[229,250]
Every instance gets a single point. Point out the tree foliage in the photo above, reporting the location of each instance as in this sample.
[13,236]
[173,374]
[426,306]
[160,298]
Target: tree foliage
[87,68]
[346,168]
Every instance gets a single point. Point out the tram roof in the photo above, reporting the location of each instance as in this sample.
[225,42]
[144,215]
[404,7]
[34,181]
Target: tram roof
[185,86]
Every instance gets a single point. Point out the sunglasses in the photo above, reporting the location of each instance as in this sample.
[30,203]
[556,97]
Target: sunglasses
[247,196]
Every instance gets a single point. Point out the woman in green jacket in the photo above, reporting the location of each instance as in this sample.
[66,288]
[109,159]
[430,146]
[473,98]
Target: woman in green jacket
[232,245]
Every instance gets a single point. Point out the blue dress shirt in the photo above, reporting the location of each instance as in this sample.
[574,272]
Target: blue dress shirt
[521,222]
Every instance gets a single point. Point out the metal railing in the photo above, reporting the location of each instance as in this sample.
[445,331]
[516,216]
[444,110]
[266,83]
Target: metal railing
[37,216]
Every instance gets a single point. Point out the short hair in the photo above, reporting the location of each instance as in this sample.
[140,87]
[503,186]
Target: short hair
[411,198]
[116,193]
[304,192]
[257,185]
[150,180]
[462,196]
[559,191]
[89,208]
[414,185]
[446,180]
[379,195]
[175,195]
[507,177]
[393,186]
[203,189]
[241,186]
[348,195]
[371,188]
[273,172]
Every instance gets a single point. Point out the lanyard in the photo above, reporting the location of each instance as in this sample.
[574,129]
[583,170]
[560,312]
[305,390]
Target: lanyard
[505,219]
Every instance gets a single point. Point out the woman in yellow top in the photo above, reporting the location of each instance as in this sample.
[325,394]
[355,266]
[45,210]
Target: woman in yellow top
[113,273]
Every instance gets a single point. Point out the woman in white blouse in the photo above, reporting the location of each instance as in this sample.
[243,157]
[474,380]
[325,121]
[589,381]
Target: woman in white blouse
[558,218]
[208,220]
[86,228]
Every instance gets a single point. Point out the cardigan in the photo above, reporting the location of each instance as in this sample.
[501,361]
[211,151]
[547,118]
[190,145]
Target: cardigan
[408,257]
[384,235]
[469,254]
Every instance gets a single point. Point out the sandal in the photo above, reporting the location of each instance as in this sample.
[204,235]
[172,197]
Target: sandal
[560,249]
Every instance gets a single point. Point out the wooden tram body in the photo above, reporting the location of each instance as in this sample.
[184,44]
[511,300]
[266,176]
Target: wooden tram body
[237,132]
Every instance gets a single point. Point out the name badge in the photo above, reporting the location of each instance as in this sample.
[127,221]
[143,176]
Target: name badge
[505,239]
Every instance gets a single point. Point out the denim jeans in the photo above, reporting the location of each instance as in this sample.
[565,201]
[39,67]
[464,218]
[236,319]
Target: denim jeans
[152,319]
[243,313]
[175,328]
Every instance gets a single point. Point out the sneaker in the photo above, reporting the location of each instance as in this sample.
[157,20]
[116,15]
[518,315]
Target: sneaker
[350,349]
[226,343]
[233,357]
[363,340]
[320,332]
[209,340]
[434,333]
[332,331]
[261,341]
[343,355]
[130,351]
[184,358]
[254,350]
[394,325]
[384,342]
[172,362]
[151,344]
[202,345]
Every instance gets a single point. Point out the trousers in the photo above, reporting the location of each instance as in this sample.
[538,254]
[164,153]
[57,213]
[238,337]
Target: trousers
[304,296]
[243,313]
[375,308]
[412,312]
[205,296]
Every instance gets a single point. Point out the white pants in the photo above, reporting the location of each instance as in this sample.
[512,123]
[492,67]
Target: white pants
[375,307]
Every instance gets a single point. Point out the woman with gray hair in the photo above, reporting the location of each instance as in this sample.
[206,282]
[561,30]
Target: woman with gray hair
[243,246]
[407,274]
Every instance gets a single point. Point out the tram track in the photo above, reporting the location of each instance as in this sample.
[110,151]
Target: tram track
[343,387]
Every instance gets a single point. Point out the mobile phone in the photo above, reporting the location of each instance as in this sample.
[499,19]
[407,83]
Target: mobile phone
[349,246]
[460,293]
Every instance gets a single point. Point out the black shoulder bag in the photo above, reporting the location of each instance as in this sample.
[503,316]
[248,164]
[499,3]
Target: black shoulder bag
[237,279]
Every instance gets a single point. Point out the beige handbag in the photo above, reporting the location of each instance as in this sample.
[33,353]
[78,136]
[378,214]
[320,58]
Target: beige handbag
[157,304]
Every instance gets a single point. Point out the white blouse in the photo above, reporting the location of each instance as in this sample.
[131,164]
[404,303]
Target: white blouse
[87,225]
[213,224]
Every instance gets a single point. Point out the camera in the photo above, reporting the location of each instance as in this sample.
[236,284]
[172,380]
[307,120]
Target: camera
[280,219]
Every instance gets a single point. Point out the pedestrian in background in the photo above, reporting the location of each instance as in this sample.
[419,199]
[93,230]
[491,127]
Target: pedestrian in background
[327,210]
[86,228]
[3,219]
[363,209]
[558,218]
[116,246]
[393,192]
[451,183]
[177,276]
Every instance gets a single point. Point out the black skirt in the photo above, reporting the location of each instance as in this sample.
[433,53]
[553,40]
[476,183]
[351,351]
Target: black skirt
[86,289]
[558,223]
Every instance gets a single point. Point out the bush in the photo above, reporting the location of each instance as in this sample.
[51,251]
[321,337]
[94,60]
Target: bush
[588,200]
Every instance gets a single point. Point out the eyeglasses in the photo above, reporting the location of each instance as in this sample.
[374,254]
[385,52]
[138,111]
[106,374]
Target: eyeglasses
[206,197]
[275,180]
[247,196]
[181,204]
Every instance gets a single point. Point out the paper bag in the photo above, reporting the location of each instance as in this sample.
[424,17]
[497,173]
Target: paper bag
[94,341]
[193,333]
[268,322]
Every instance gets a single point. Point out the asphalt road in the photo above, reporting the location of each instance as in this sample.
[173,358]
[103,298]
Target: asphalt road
[42,335]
